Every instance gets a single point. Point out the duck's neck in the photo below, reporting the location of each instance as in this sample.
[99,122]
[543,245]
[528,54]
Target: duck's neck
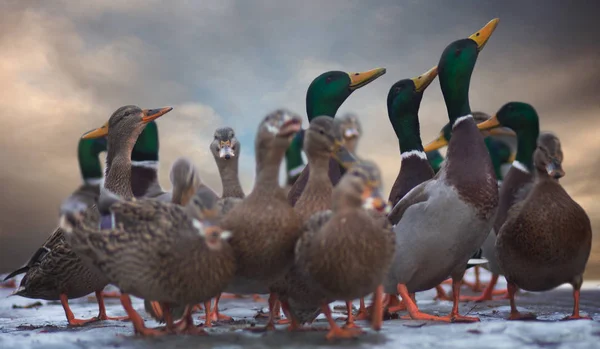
[293,159]
[118,175]
[526,144]
[407,130]
[228,170]
[316,107]
[267,168]
[319,169]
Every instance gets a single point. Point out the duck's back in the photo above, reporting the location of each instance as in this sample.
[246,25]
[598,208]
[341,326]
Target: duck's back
[546,239]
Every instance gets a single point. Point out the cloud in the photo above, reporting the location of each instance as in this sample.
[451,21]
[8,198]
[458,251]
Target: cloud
[67,66]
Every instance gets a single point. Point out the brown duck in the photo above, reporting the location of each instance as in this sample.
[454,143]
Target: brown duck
[546,238]
[264,225]
[344,252]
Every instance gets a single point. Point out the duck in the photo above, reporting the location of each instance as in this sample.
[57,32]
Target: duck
[323,138]
[326,93]
[523,119]
[500,153]
[138,228]
[191,247]
[546,238]
[435,160]
[264,225]
[225,149]
[55,271]
[465,187]
[345,252]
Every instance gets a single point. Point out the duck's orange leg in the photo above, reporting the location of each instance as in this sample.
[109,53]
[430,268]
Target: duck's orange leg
[197,307]
[270,326]
[286,311]
[454,316]
[393,304]
[136,319]
[514,313]
[8,284]
[477,285]
[214,314]
[441,294]
[413,310]
[334,330]
[350,319]
[207,316]
[231,296]
[102,309]
[377,318]
[487,294]
[70,317]
[576,315]
[186,324]
[363,314]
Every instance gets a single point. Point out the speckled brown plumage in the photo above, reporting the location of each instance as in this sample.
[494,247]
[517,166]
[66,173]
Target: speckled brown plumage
[347,255]
[265,227]
[184,268]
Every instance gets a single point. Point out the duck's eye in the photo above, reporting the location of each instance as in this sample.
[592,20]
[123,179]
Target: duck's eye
[329,79]
[397,89]
[457,51]
[321,132]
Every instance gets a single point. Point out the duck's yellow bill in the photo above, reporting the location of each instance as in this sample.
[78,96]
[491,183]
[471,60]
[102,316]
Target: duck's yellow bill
[489,123]
[438,143]
[101,131]
[425,79]
[482,36]
[358,80]
[153,114]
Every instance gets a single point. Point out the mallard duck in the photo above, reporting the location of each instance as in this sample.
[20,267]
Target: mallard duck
[323,138]
[264,225]
[344,252]
[324,96]
[225,148]
[465,187]
[500,154]
[55,271]
[523,119]
[190,249]
[546,238]
[435,159]
[150,227]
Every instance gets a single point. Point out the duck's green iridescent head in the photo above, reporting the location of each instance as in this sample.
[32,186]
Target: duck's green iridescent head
[403,102]
[146,147]
[88,152]
[523,119]
[456,66]
[329,90]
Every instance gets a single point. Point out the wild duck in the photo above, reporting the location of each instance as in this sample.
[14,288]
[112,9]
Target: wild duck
[344,252]
[191,248]
[264,225]
[523,119]
[435,160]
[225,149]
[55,271]
[323,138]
[547,237]
[324,96]
[500,153]
[465,187]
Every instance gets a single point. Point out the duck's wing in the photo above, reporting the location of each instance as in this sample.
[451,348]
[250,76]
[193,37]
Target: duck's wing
[416,195]
[54,241]
[227,204]
[81,199]
[310,228]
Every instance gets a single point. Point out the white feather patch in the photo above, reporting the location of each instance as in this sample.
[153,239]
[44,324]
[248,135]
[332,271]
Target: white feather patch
[146,163]
[520,166]
[199,226]
[226,234]
[418,153]
[461,119]
[94,181]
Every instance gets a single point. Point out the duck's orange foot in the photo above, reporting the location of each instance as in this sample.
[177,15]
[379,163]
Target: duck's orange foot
[343,333]
[113,294]
[425,317]
[8,284]
[363,314]
[521,316]
[441,294]
[257,298]
[351,325]
[267,327]
[284,322]
[502,293]
[150,332]
[577,317]
[217,317]
[80,322]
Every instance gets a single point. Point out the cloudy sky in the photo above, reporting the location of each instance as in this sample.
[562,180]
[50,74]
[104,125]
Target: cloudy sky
[67,65]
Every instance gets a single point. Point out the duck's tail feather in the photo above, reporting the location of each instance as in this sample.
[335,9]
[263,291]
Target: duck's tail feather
[19,271]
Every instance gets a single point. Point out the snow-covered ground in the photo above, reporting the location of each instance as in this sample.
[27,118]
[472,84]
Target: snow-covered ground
[46,327]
